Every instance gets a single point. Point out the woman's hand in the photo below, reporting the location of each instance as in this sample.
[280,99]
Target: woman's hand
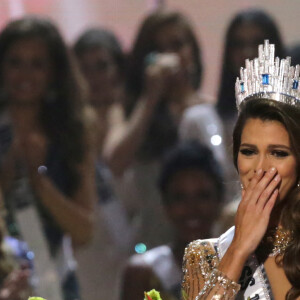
[251,221]
[15,286]
[254,211]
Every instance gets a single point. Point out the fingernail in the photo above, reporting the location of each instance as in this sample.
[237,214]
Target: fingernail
[277,177]
[259,172]
[272,170]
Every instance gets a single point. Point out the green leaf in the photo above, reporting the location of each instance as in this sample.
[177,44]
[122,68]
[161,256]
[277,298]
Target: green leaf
[155,295]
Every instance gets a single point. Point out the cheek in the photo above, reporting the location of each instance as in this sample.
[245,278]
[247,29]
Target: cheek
[244,166]
[288,174]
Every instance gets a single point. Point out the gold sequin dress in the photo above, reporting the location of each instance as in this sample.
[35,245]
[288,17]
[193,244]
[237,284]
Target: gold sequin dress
[203,280]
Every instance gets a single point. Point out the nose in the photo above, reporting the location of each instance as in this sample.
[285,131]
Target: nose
[262,163]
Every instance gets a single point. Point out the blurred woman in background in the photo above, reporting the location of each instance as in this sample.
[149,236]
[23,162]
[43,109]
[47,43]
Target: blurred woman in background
[162,82]
[49,165]
[102,61]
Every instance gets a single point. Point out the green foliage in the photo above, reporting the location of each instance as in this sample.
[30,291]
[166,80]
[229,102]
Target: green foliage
[153,294]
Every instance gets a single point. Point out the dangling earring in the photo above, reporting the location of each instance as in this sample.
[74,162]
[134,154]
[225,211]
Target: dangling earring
[242,187]
[298,185]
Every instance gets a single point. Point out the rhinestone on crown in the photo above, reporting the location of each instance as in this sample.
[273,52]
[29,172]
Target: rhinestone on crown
[267,77]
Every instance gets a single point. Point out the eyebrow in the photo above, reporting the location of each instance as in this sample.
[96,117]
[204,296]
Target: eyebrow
[270,146]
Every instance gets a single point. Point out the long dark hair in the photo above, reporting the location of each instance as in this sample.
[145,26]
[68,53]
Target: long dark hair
[226,97]
[289,116]
[62,108]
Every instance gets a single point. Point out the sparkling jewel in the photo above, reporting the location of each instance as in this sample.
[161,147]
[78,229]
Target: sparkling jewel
[276,241]
[265,79]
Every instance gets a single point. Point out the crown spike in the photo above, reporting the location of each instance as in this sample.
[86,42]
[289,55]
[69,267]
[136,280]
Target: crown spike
[268,77]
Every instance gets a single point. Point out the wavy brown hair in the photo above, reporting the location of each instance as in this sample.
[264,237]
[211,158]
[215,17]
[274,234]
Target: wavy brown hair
[288,116]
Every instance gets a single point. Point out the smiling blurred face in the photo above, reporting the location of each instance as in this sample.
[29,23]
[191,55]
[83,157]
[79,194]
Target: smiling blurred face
[266,144]
[27,71]
[101,73]
[192,204]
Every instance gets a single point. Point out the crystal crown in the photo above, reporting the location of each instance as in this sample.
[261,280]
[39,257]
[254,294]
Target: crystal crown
[267,77]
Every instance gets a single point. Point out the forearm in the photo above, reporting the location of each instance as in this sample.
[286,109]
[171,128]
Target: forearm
[73,218]
[223,281]
[233,262]
[208,278]
[120,149]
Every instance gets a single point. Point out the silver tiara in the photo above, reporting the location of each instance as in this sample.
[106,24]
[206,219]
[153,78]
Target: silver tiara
[267,77]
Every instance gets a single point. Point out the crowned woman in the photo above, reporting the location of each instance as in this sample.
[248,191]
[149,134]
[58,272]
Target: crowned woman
[259,258]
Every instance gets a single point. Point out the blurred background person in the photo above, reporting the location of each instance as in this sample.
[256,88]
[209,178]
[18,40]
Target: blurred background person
[49,166]
[101,60]
[191,185]
[162,84]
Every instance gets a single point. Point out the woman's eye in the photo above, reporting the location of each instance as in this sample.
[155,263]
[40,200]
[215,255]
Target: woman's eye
[247,152]
[279,153]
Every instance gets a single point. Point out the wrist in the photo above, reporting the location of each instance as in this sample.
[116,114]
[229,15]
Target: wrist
[239,251]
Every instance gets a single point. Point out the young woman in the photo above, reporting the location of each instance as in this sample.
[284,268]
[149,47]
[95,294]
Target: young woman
[50,161]
[260,257]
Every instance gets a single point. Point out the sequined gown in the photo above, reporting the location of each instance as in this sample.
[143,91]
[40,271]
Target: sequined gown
[200,281]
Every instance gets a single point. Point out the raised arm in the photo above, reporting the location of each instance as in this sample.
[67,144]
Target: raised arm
[74,214]
[125,139]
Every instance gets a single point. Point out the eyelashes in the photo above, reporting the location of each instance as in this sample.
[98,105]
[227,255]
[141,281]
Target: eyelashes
[276,153]
[279,153]
[247,152]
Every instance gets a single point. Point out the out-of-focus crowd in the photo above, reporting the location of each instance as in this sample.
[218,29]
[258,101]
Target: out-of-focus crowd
[112,162]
